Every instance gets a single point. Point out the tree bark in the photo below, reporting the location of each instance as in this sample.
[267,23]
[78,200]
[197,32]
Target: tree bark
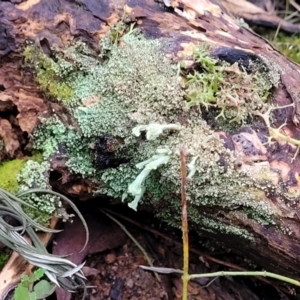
[53,24]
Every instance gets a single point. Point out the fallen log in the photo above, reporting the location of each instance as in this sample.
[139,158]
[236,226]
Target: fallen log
[244,160]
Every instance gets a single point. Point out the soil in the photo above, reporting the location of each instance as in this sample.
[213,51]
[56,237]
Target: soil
[113,258]
[114,274]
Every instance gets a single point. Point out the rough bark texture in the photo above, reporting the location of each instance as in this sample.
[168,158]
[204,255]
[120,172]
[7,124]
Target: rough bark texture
[53,23]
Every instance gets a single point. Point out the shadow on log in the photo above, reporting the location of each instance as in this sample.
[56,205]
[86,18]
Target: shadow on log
[52,25]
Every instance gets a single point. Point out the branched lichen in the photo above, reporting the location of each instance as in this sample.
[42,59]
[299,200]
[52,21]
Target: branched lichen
[137,188]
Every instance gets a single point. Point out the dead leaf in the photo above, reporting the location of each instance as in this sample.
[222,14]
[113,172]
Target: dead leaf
[103,235]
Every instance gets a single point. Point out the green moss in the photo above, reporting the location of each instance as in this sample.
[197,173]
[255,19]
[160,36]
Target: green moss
[10,170]
[37,156]
[288,45]
[8,174]
[203,86]
[230,91]
[48,74]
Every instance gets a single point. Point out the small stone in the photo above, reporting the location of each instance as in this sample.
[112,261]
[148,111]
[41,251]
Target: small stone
[110,258]
[114,268]
[130,283]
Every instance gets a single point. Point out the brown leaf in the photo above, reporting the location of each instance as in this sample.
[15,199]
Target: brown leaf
[103,235]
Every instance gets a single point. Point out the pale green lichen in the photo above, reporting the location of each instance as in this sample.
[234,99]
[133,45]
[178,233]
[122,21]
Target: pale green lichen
[137,90]
[136,188]
[154,130]
[130,91]
[35,175]
[53,137]
[192,167]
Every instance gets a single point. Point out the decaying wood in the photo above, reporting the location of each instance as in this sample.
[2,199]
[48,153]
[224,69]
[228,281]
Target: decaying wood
[52,23]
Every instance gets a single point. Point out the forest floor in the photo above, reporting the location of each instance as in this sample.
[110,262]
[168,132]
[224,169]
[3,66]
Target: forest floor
[113,260]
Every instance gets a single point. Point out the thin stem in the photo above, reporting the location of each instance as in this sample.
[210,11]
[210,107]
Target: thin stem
[184,221]
[250,273]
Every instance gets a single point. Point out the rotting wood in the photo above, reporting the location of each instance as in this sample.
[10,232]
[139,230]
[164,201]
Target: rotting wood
[52,24]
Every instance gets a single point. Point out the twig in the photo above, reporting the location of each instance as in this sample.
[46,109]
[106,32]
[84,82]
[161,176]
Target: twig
[225,273]
[248,273]
[295,5]
[184,222]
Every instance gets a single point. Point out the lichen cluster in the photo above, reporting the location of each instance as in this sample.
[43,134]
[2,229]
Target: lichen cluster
[35,175]
[133,112]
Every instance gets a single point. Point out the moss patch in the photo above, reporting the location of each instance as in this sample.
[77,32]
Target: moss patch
[10,170]
[230,92]
[48,74]
[8,174]
[288,45]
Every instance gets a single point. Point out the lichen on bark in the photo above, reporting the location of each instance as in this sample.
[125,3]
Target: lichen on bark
[129,114]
